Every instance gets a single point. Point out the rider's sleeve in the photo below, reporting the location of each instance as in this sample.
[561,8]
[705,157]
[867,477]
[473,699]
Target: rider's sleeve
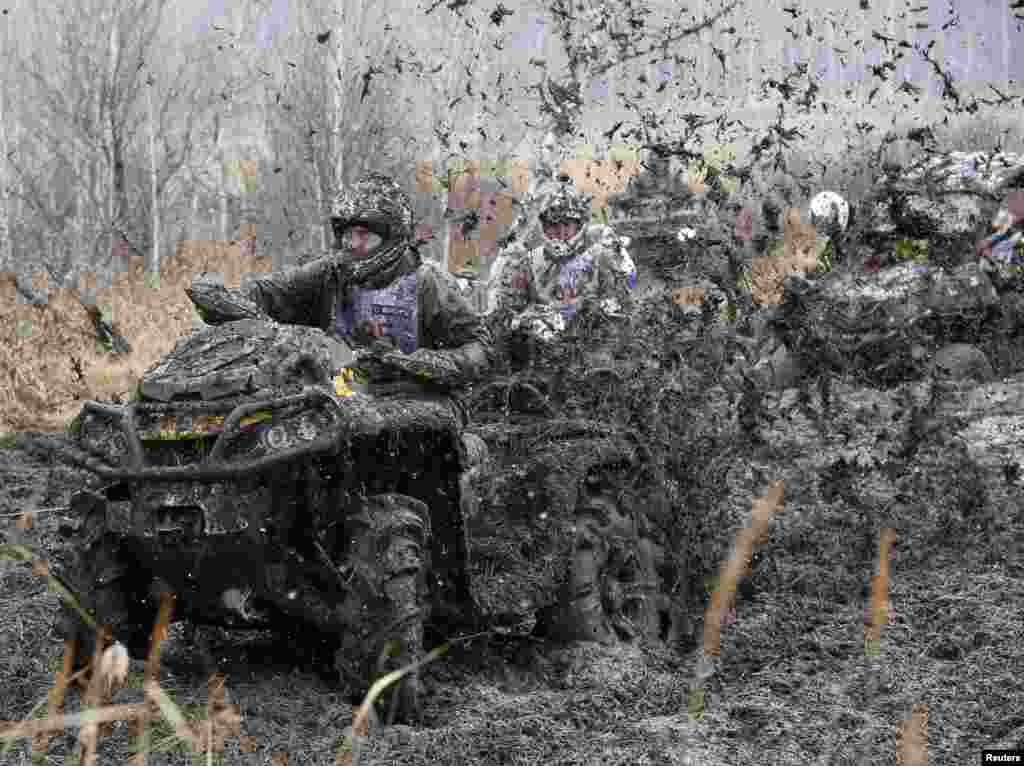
[452,333]
[217,304]
[295,295]
[291,296]
[615,266]
[509,288]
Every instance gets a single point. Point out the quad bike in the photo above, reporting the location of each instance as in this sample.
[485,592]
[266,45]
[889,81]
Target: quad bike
[573,535]
[265,493]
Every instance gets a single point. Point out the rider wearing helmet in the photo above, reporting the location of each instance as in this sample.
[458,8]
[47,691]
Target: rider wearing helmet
[830,214]
[405,317]
[416,340]
[539,284]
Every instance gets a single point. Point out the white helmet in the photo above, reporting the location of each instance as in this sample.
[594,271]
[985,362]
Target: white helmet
[830,213]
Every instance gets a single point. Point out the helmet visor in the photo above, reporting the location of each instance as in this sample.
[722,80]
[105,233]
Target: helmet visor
[369,235]
[562,230]
[359,236]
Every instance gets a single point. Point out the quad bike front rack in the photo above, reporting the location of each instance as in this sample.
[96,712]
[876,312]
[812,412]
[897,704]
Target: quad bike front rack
[108,443]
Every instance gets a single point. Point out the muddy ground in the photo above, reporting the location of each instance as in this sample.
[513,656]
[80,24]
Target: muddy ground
[794,684]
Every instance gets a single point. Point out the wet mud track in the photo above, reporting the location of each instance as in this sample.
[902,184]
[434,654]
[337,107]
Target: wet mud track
[32,475]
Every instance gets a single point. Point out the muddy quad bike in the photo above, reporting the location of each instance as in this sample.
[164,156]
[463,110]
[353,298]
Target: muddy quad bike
[573,536]
[264,493]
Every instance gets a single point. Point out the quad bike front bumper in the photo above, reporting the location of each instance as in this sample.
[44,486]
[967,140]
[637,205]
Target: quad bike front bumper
[250,578]
[114,442]
[212,469]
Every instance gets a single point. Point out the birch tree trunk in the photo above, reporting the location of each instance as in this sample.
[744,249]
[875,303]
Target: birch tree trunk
[8,179]
[113,148]
[318,187]
[153,264]
[82,232]
[17,183]
[223,178]
[81,169]
[6,245]
[193,218]
[351,12]
[363,37]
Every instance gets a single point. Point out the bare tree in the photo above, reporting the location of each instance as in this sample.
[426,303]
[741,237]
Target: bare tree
[6,244]
[104,95]
[350,69]
[154,200]
[446,141]
[600,36]
[333,104]
[9,182]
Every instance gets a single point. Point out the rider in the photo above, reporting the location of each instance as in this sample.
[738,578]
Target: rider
[416,341]
[405,317]
[537,287]
[540,284]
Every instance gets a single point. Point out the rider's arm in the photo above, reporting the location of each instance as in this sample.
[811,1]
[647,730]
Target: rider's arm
[454,339]
[295,295]
[616,268]
[291,296]
[509,290]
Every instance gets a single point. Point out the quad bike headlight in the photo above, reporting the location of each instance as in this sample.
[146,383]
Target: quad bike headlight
[309,426]
[277,437]
[289,427]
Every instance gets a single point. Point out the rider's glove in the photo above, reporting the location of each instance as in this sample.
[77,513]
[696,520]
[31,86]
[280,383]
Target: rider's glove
[369,364]
[540,321]
[425,366]
[217,304]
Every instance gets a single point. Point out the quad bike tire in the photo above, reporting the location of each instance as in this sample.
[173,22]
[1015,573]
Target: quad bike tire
[610,593]
[388,560]
[108,585]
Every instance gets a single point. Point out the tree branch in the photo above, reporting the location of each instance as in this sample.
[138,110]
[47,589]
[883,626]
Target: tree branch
[668,40]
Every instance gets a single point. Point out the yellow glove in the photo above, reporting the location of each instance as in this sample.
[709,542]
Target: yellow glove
[347,379]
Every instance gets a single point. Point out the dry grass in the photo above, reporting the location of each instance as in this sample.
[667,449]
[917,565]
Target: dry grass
[39,386]
[798,254]
[602,177]
[108,671]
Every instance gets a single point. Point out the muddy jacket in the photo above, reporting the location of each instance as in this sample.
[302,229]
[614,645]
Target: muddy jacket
[529,283]
[418,309]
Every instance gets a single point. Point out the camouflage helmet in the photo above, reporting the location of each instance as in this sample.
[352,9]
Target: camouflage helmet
[562,202]
[376,201]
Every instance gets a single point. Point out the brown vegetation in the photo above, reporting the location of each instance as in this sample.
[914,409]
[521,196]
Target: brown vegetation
[50,360]
[600,178]
[799,255]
